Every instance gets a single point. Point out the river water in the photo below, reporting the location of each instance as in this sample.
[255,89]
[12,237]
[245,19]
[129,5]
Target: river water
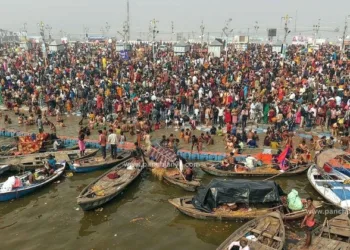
[140,218]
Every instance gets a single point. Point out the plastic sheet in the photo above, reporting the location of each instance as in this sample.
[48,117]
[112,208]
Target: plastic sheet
[219,192]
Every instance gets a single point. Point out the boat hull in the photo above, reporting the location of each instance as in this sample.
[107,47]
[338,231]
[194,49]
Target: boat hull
[345,171]
[330,194]
[15,194]
[221,173]
[197,214]
[4,168]
[33,161]
[86,206]
[92,203]
[99,166]
[278,235]
[189,186]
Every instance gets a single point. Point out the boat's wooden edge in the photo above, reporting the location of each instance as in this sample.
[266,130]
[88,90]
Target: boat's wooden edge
[244,227]
[209,169]
[82,199]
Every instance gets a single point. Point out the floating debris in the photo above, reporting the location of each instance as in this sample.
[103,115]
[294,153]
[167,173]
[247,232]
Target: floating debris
[137,219]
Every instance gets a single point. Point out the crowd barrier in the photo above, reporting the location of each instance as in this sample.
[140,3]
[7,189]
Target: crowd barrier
[202,156]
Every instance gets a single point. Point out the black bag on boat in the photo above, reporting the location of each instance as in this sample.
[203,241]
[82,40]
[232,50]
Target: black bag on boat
[219,192]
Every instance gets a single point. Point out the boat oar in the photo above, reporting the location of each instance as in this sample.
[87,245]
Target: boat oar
[288,170]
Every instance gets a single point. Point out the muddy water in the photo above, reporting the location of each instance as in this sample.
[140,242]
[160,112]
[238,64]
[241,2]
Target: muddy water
[140,218]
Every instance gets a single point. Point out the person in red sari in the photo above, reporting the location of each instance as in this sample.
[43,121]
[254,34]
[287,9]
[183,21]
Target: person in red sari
[99,102]
[227,115]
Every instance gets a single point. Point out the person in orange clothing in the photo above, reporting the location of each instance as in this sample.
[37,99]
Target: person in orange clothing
[69,106]
[119,91]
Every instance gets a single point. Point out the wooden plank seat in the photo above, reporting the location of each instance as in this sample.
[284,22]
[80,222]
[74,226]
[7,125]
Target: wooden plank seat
[266,234]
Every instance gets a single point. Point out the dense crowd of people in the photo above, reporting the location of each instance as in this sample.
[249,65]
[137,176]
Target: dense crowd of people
[138,95]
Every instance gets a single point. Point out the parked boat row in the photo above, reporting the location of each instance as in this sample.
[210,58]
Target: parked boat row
[264,203]
[33,161]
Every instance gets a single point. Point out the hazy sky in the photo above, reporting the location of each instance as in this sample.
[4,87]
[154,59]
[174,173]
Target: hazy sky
[71,15]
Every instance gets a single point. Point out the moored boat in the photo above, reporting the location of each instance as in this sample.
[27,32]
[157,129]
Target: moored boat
[4,168]
[227,199]
[336,159]
[264,233]
[25,189]
[334,234]
[332,186]
[211,168]
[178,180]
[94,163]
[110,184]
[36,143]
[33,161]
[174,176]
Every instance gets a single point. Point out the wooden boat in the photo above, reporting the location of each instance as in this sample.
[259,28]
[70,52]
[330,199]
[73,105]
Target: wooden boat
[27,189]
[185,206]
[48,148]
[104,189]
[334,234]
[336,159]
[210,168]
[94,163]
[33,161]
[4,168]
[267,231]
[178,180]
[173,175]
[8,149]
[331,186]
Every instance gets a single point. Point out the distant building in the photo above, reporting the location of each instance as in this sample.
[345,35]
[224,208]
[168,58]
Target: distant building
[56,46]
[122,47]
[277,47]
[215,48]
[181,48]
[240,43]
[347,44]
[25,45]
[96,39]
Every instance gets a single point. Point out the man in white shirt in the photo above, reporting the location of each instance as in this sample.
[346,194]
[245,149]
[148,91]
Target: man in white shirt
[221,115]
[200,93]
[55,145]
[194,79]
[338,100]
[113,140]
[292,97]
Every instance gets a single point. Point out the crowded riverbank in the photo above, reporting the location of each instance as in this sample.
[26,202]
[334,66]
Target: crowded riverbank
[288,106]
